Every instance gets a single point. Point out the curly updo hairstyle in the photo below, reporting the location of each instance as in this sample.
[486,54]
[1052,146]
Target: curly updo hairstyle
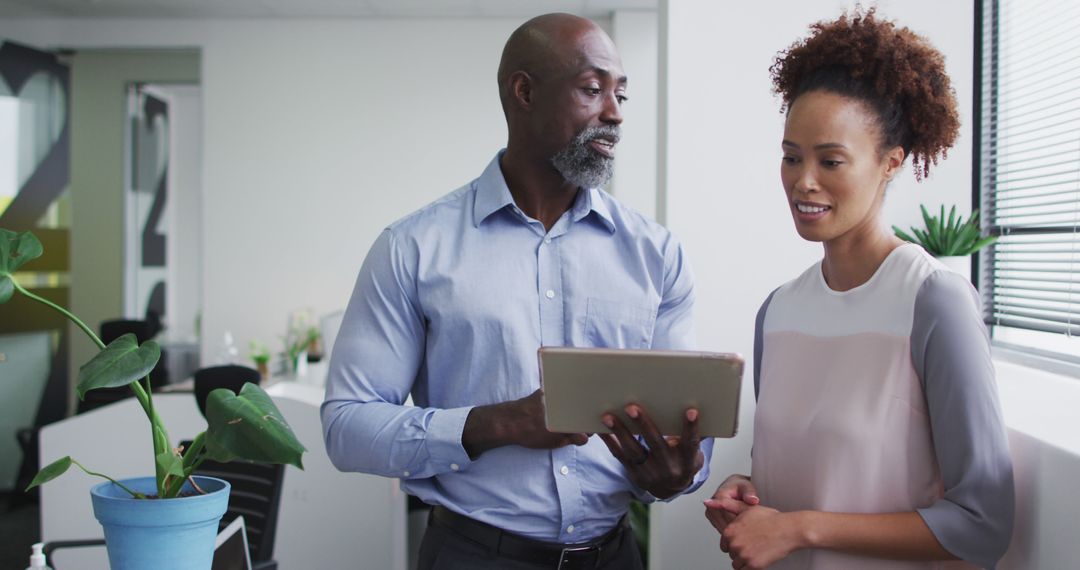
[895,72]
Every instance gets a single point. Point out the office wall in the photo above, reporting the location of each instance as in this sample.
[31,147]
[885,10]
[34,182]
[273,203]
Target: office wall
[184,295]
[636,35]
[99,81]
[317,134]
[722,193]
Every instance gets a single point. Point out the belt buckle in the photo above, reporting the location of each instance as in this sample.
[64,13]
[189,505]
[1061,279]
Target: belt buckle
[576,550]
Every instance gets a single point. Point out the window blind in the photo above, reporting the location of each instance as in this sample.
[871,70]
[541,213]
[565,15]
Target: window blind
[1028,165]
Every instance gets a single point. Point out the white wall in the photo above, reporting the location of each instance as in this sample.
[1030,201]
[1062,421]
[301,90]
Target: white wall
[723,198]
[317,134]
[184,212]
[1040,410]
[634,183]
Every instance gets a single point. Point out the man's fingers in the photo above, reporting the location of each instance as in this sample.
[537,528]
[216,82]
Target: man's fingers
[577,438]
[632,452]
[690,442]
[649,430]
[613,446]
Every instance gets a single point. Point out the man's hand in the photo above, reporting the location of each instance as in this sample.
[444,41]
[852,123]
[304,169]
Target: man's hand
[761,536]
[735,495]
[518,422]
[667,465]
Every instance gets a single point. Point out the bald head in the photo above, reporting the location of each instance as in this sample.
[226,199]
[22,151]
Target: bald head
[544,46]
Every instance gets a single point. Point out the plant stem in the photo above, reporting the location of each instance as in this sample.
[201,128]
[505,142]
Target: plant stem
[135,494]
[197,488]
[155,427]
[63,311]
[143,396]
[191,461]
[192,452]
[140,394]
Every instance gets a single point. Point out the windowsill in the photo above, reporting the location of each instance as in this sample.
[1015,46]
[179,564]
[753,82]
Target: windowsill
[1040,403]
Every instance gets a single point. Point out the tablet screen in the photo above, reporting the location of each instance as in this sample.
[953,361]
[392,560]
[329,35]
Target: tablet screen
[582,384]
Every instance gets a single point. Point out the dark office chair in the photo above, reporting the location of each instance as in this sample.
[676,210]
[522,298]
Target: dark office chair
[256,487]
[231,376]
[256,494]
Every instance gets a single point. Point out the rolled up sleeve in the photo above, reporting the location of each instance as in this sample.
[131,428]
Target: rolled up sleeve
[376,357]
[951,353]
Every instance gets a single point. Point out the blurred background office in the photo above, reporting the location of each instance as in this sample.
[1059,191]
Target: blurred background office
[218,170]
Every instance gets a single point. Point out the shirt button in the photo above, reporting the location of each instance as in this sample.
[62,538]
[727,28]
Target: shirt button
[549,294]
[455,466]
[547,240]
[406,473]
[564,470]
[570,529]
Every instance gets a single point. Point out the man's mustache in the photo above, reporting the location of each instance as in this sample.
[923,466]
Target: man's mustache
[609,133]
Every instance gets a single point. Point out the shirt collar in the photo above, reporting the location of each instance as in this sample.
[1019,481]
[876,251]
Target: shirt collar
[492,195]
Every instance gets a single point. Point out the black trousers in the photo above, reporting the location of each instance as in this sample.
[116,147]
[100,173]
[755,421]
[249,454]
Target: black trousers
[444,549]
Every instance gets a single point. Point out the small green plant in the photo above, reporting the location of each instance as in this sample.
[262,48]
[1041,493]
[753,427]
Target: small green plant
[245,426]
[259,353]
[943,238]
[300,337]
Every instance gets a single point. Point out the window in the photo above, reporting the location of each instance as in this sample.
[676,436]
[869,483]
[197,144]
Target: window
[1027,172]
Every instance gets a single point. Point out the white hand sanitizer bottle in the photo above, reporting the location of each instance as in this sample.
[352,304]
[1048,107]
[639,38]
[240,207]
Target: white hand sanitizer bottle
[37,558]
[228,353]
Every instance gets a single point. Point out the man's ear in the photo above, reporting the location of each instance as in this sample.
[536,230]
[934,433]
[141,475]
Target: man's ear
[521,89]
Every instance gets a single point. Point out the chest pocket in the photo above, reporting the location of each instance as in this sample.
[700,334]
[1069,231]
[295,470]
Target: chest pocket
[612,324]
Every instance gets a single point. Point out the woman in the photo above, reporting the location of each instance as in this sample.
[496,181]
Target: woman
[878,439]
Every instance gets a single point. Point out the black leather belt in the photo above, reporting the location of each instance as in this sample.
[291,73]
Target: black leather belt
[592,554]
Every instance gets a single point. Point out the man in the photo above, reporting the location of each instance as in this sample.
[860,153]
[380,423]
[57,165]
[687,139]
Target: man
[454,300]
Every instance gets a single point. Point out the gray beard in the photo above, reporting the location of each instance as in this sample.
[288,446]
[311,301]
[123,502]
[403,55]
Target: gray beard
[583,166]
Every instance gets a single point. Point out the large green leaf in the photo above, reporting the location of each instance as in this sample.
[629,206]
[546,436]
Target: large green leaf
[119,364]
[16,249]
[249,426]
[51,471]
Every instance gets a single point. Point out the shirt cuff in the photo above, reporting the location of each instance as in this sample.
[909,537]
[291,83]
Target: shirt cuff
[444,439]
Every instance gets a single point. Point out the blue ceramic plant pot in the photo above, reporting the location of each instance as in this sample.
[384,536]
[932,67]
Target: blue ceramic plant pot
[169,534]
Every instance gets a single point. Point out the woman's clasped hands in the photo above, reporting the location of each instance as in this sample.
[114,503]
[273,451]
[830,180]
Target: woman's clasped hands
[753,535]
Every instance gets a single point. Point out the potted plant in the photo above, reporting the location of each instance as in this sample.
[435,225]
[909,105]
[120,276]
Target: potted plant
[167,521]
[950,240]
[260,355]
[301,343]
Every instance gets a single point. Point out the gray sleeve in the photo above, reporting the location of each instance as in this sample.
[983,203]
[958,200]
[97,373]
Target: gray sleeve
[950,350]
[759,331]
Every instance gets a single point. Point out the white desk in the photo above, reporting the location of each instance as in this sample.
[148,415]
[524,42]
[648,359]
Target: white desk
[337,520]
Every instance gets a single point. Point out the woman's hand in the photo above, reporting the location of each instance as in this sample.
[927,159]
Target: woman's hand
[761,536]
[735,495]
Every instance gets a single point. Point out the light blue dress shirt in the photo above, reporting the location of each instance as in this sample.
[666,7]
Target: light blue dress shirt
[451,305]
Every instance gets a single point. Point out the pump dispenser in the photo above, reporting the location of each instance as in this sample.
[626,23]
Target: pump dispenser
[37,558]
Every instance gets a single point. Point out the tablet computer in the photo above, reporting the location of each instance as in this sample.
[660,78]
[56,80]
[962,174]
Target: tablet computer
[231,547]
[581,384]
